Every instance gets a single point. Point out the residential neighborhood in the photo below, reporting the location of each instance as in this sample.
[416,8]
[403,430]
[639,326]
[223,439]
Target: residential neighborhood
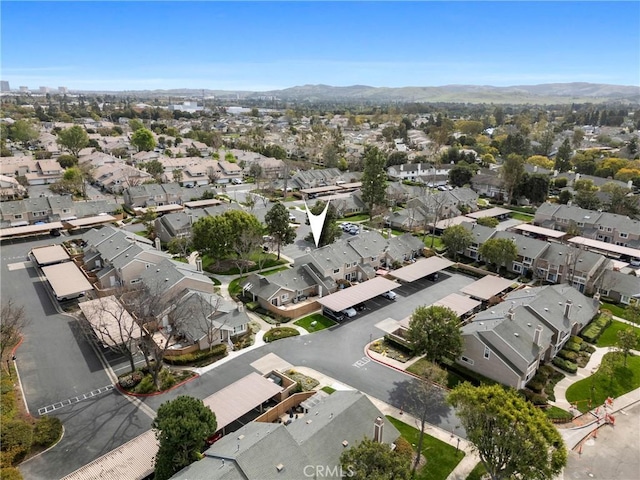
[187,266]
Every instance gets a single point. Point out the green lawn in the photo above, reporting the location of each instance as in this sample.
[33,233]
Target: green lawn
[441,457]
[477,472]
[417,368]
[623,380]
[328,389]
[521,216]
[354,218]
[234,287]
[609,337]
[322,322]
[437,244]
[617,310]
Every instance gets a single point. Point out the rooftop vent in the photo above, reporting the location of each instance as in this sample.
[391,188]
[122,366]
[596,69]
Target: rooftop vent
[240,437]
[279,467]
[345,443]
[516,334]
[309,421]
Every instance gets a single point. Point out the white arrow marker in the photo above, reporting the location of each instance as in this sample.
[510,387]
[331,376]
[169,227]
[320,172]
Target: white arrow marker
[316,222]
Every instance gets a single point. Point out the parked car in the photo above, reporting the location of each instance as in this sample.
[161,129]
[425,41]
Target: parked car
[337,316]
[360,306]
[346,226]
[236,181]
[391,295]
[354,230]
[292,217]
[349,312]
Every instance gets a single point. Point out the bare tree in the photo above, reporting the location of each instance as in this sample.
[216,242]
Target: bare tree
[247,243]
[212,175]
[13,320]
[203,311]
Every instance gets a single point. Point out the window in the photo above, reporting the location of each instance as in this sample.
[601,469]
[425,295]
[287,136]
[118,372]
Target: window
[239,329]
[36,214]
[625,299]
[466,360]
[336,270]
[603,291]
[134,281]
[65,210]
[581,224]
[517,267]
[624,235]
[487,352]
[284,297]
[18,216]
[347,265]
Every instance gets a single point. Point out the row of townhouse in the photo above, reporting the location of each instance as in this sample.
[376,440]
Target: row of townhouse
[153,195]
[186,299]
[178,224]
[602,226]
[54,208]
[509,341]
[320,272]
[548,261]
[419,172]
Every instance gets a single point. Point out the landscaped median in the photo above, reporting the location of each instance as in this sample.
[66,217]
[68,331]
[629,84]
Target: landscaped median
[315,322]
[280,332]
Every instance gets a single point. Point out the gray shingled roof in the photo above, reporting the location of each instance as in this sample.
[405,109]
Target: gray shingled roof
[527,246]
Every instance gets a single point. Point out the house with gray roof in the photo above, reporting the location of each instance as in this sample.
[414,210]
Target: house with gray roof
[509,341]
[153,195]
[529,251]
[567,264]
[489,184]
[312,440]
[315,178]
[618,287]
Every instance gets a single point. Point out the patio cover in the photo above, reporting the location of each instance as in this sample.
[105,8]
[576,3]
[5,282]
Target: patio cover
[606,247]
[489,212]
[134,460]
[110,321]
[50,255]
[66,279]
[29,229]
[487,287]
[172,207]
[421,268]
[239,398]
[202,203]
[450,222]
[460,304]
[95,220]
[547,232]
[358,293]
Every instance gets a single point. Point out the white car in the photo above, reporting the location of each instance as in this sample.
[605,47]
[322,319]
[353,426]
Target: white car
[349,312]
[391,295]
[236,181]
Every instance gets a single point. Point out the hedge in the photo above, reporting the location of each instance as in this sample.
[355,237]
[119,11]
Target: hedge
[196,357]
[573,347]
[565,365]
[568,355]
[280,332]
[47,431]
[592,332]
[16,438]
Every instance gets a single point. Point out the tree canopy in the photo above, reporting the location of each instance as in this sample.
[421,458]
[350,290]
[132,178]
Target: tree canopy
[374,178]
[511,173]
[499,251]
[563,157]
[181,427]
[221,235]
[461,174]
[370,460]
[73,139]
[457,238]
[278,226]
[143,140]
[435,332]
[513,438]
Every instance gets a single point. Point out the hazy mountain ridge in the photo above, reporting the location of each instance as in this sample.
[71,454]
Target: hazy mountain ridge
[535,94]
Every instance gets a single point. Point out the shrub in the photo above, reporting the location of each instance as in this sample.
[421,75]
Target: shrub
[536,386]
[535,398]
[146,385]
[590,349]
[546,370]
[47,431]
[130,380]
[167,380]
[10,473]
[577,340]
[565,365]
[197,357]
[568,355]
[16,438]
[573,347]
[403,448]
[252,306]
[280,332]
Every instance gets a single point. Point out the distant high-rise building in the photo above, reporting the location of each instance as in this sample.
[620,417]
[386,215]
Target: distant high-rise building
[63,90]
[4,86]
[24,89]
[44,89]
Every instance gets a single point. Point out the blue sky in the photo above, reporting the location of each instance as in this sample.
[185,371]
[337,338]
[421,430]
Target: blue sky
[271,45]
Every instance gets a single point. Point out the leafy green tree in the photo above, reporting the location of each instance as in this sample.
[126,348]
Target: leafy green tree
[374,178]
[435,332]
[564,197]
[587,199]
[563,157]
[534,187]
[577,137]
[632,312]
[255,171]
[177,175]
[135,124]
[397,158]
[222,235]
[517,144]
[22,131]
[278,226]
[621,202]
[491,222]
[143,140]
[499,251]
[627,341]
[330,230]
[512,437]
[370,460]
[67,161]
[181,427]
[461,174]
[154,168]
[511,173]
[457,238]
[73,139]
[330,156]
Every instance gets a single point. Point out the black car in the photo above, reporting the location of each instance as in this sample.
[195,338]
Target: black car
[360,306]
[55,232]
[337,316]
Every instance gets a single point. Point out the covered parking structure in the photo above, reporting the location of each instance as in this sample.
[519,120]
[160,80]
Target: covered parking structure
[608,249]
[357,294]
[66,280]
[29,230]
[487,287]
[460,304]
[239,398]
[89,221]
[496,212]
[539,232]
[50,255]
[422,268]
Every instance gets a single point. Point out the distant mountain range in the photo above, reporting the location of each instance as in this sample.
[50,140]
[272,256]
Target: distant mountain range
[549,93]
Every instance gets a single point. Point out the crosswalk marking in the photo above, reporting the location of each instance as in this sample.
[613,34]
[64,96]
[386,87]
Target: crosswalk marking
[73,400]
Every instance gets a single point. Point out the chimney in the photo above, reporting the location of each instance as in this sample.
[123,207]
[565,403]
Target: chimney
[378,427]
[510,314]
[630,184]
[537,336]
[158,246]
[240,306]
[199,264]
[567,308]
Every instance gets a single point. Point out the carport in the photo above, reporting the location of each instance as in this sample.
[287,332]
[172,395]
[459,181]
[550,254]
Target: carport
[239,398]
[90,221]
[29,230]
[500,213]
[487,287]
[421,268]
[358,293]
[460,304]
[50,255]
[66,280]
